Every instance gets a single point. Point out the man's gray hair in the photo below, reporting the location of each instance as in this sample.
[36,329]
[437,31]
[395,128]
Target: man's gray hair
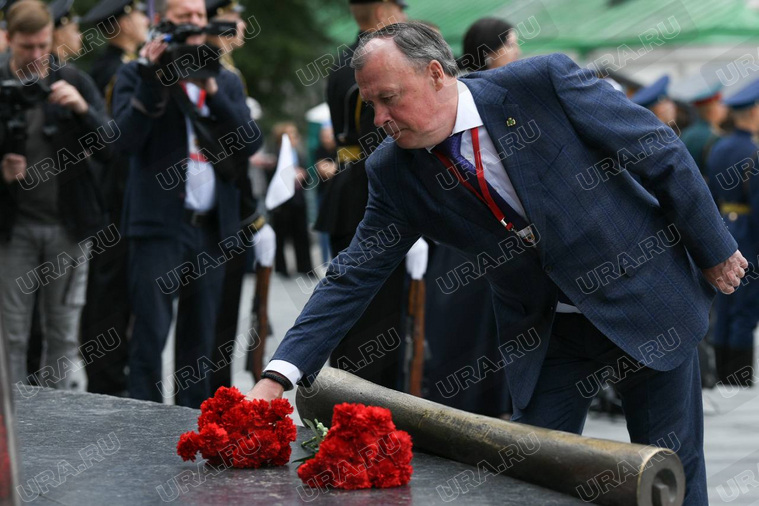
[418,42]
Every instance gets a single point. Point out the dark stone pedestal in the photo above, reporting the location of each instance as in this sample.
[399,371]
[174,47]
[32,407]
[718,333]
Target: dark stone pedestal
[84,449]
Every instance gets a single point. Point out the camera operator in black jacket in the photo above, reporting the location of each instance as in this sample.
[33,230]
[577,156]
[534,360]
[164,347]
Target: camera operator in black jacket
[52,122]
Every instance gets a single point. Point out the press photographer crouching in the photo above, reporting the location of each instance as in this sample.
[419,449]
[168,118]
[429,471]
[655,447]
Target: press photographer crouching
[181,210]
[51,126]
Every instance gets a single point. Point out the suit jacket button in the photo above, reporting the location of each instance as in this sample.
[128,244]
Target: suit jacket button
[548,268]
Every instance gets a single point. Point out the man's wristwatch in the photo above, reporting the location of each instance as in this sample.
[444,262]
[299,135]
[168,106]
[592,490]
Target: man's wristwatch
[279,378]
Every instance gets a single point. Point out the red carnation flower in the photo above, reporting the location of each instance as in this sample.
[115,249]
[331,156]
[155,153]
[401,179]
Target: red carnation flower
[362,449]
[236,432]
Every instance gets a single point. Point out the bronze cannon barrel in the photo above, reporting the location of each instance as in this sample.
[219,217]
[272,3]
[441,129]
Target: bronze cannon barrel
[596,470]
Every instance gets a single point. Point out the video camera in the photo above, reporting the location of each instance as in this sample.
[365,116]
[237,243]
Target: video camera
[191,61]
[15,98]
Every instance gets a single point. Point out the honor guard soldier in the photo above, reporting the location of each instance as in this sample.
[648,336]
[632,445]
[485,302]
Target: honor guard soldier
[250,220]
[67,39]
[108,305]
[228,10]
[654,97]
[700,137]
[346,195]
[122,48]
[732,179]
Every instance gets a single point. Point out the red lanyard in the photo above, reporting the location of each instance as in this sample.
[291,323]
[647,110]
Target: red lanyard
[196,155]
[201,98]
[485,196]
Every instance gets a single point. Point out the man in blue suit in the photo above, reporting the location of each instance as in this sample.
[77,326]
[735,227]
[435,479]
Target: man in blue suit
[526,170]
[181,207]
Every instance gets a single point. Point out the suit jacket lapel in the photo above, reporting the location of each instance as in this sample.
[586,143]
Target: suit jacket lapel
[496,111]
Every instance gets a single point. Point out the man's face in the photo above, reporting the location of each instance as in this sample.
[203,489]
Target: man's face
[69,36]
[188,12]
[239,38]
[135,25]
[408,103]
[665,110]
[27,48]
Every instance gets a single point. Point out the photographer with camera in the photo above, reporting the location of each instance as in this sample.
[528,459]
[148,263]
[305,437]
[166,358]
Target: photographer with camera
[48,199]
[181,209]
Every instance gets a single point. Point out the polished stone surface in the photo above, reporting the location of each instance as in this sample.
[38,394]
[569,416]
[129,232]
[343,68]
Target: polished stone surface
[81,449]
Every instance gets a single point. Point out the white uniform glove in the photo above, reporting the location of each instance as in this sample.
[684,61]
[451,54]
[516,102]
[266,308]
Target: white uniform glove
[416,259]
[265,245]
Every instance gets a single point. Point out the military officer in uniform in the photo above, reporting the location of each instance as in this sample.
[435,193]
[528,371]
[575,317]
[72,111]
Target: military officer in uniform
[346,195]
[107,302]
[67,40]
[121,48]
[654,97]
[700,137]
[732,164]
[228,10]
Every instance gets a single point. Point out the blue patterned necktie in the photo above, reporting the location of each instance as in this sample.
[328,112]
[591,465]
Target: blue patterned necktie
[451,149]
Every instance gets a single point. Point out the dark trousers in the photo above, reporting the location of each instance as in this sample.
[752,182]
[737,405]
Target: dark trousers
[373,348]
[289,221]
[226,324]
[160,270]
[661,408]
[107,308]
[737,316]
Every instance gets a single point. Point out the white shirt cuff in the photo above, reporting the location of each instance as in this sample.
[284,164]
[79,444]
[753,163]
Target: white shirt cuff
[288,370]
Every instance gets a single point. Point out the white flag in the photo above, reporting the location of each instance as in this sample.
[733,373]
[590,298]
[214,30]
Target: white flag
[282,186]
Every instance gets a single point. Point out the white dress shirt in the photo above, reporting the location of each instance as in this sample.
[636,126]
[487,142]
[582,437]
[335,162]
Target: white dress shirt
[467,117]
[200,185]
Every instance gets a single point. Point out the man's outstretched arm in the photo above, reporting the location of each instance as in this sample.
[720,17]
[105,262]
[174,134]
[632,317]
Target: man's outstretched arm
[352,280]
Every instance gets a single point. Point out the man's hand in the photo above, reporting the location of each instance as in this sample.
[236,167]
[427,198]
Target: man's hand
[66,95]
[265,389]
[153,50]
[726,277]
[14,167]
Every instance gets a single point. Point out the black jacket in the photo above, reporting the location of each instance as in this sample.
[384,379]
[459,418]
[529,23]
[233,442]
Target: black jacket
[79,201]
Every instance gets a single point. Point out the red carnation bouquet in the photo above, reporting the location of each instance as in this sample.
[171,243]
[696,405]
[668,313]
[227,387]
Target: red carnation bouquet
[236,432]
[362,449]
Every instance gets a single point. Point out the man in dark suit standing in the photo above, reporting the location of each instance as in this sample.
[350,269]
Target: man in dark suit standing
[591,276]
[181,208]
[345,198]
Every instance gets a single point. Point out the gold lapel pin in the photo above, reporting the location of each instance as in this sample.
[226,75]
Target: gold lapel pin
[511,122]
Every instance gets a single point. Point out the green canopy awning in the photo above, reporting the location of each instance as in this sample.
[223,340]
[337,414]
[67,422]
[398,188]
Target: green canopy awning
[587,25]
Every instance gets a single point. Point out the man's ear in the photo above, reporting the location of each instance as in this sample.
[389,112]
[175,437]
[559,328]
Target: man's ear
[436,73]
